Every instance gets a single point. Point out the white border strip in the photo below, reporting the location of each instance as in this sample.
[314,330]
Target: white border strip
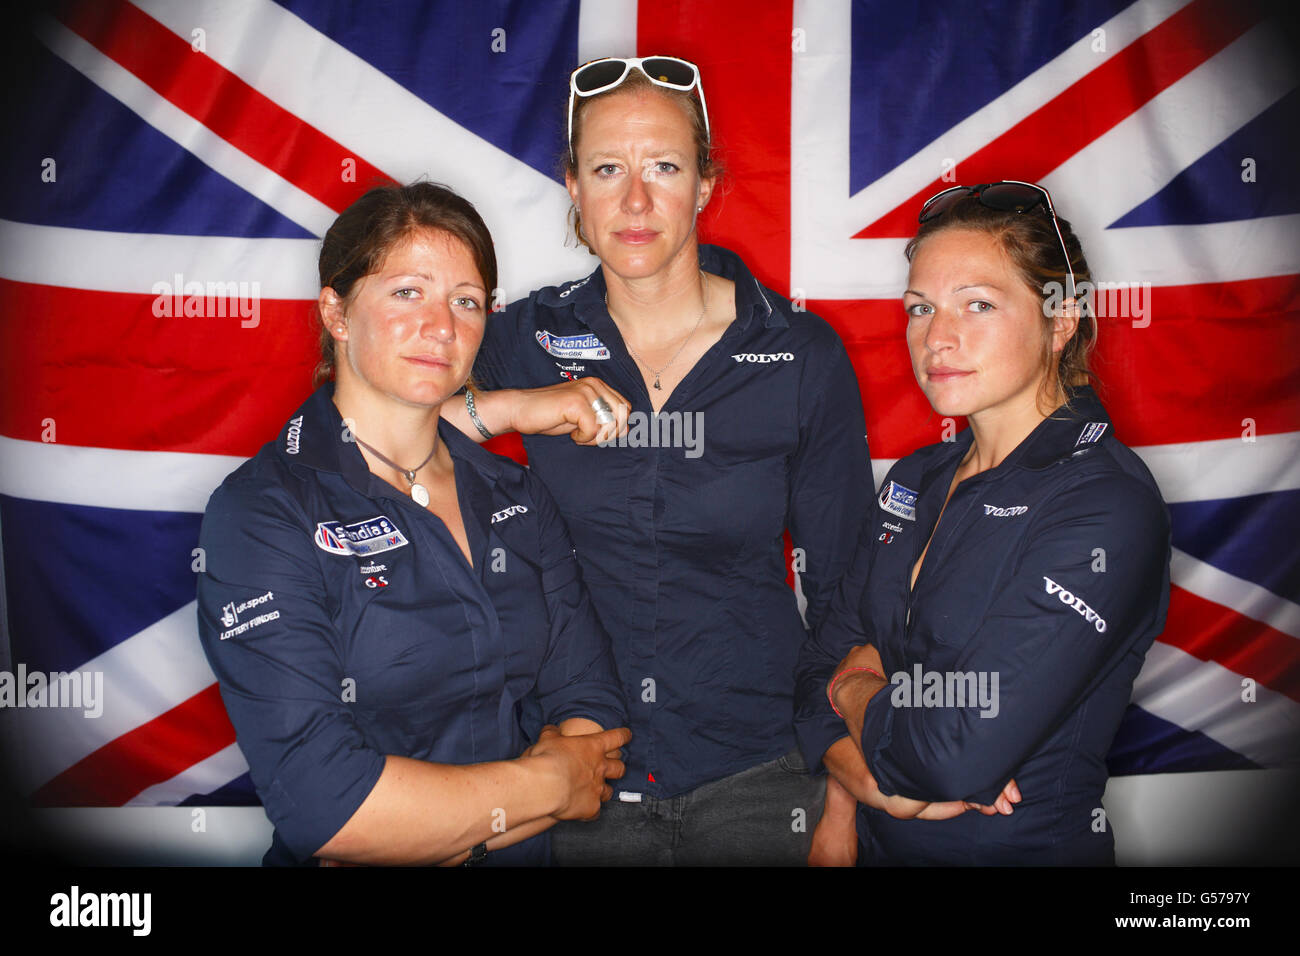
[1207,470]
[607,28]
[1202,695]
[144,676]
[1224,468]
[1245,597]
[203,777]
[132,262]
[110,477]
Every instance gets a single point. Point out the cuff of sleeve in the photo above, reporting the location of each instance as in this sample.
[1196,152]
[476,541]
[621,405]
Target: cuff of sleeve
[877,726]
[306,828]
[607,716]
[814,733]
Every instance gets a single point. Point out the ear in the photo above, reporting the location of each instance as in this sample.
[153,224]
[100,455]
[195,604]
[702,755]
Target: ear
[332,317]
[1064,324]
[705,192]
[571,184]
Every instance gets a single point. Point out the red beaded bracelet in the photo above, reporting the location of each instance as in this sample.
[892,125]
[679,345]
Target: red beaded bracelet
[830,691]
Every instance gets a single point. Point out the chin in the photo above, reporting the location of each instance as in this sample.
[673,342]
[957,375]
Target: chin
[948,405]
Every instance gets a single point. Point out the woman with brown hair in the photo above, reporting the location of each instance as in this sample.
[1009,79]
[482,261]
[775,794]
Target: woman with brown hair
[392,612]
[1008,587]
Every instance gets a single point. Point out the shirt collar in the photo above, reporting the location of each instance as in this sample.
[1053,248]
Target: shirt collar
[1072,431]
[314,437]
[587,295]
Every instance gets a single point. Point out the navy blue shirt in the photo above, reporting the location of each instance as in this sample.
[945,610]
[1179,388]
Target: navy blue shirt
[344,623]
[1048,574]
[679,526]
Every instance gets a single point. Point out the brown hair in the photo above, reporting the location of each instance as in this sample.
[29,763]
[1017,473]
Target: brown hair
[1030,242]
[706,164]
[365,232]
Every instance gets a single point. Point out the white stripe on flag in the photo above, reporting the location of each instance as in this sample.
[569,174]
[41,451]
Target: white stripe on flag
[825,263]
[1202,695]
[327,86]
[189,133]
[144,676]
[203,777]
[1170,132]
[134,261]
[1225,468]
[1245,597]
[606,28]
[131,480]
[1207,470]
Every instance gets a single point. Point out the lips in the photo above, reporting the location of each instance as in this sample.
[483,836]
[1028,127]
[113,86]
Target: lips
[635,236]
[945,373]
[432,362]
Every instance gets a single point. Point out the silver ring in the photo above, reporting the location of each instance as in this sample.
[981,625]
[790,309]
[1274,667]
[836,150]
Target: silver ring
[604,414]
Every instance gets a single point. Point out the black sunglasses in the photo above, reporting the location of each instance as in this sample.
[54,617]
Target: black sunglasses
[1010,195]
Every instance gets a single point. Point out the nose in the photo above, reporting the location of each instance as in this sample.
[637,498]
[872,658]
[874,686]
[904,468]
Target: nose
[636,199]
[438,323]
[941,334]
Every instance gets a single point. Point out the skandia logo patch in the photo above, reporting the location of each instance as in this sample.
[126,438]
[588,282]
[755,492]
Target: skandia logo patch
[370,536]
[898,500]
[586,346]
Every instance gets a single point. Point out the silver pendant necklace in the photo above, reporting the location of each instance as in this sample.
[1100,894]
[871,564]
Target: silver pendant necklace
[656,374]
[419,494]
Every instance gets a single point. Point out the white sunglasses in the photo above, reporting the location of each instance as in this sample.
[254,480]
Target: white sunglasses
[598,76]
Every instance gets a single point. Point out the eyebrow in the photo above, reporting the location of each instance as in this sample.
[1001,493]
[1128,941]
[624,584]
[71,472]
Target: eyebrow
[960,288]
[429,278]
[656,151]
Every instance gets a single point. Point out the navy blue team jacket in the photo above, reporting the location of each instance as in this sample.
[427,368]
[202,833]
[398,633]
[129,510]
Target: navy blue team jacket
[679,527]
[344,624]
[1050,572]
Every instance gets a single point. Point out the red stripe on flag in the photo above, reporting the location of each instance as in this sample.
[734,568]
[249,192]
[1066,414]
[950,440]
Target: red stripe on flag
[111,374]
[1242,337]
[1212,632]
[749,106]
[1095,104]
[155,751]
[223,102]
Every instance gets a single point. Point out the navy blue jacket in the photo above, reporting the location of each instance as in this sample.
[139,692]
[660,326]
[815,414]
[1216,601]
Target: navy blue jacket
[682,546]
[344,624]
[1050,573]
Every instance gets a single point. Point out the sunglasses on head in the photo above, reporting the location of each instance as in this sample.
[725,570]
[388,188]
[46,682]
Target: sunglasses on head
[1010,195]
[607,73]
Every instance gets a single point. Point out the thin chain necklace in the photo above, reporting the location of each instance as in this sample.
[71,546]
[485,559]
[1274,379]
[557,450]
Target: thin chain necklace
[704,295]
[419,494]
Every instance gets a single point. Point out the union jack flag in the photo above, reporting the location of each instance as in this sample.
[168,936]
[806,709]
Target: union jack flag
[173,165]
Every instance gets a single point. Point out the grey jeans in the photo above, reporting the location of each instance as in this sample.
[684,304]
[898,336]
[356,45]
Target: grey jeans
[763,816]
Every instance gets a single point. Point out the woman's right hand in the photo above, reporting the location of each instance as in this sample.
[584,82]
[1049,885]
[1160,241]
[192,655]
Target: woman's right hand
[561,409]
[1004,803]
[583,763]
